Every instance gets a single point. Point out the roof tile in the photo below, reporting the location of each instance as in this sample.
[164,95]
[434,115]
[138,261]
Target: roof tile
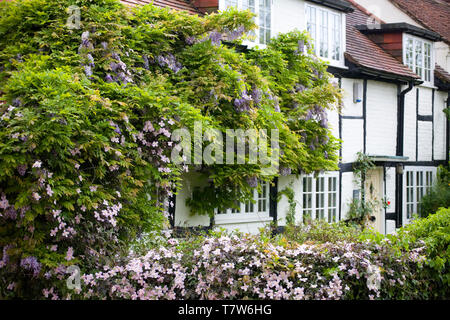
[433,14]
[364,52]
[440,73]
[173,4]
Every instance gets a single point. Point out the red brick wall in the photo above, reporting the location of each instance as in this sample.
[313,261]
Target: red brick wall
[206,5]
[390,42]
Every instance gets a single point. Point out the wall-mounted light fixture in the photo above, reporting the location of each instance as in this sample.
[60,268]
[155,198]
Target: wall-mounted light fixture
[357,95]
[400,168]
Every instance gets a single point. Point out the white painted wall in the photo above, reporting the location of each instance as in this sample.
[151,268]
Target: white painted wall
[425,100]
[386,11]
[352,139]
[440,125]
[351,108]
[348,185]
[288,15]
[283,205]
[182,211]
[390,188]
[424,141]
[409,138]
[381,119]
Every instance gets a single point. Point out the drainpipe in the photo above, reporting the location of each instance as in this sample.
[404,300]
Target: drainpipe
[448,129]
[400,138]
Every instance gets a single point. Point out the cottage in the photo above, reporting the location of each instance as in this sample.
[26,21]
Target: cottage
[392,60]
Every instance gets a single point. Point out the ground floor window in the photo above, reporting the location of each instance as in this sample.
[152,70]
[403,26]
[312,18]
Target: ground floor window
[257,208]
[418,183]
[320,197]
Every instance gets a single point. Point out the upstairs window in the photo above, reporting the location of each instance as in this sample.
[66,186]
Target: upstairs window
[418,56]
[263,11]
[325,27]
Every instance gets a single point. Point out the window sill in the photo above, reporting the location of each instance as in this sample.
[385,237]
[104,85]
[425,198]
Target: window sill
[242,218]
[427,85]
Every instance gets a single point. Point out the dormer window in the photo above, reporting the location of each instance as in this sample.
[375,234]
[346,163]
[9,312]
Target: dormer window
[325,27]
[418,56]
[263,11]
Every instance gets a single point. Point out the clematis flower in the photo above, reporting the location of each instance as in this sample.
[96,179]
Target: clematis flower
[37,164]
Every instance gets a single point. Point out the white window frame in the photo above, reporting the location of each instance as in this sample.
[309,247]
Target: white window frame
[413,65]
[311,205]
[415,189]
[223,5]
[258,211]
[318,18]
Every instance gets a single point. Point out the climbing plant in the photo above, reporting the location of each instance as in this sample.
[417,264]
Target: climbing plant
[362,209]
[88,112]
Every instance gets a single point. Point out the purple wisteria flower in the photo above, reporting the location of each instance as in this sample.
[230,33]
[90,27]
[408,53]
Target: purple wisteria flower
[146,62]
[169,61]
[235,34]
[299,88]
[252,182]
[216,38]
[191,40]
[17,102]
[242,104]
[256,95]
[5,257]
[31,264]
[122,74]
[85,42]
[108,78]
[88,71]
[4,203]
[300,48]
[11,213]
[285,171]
[91,60]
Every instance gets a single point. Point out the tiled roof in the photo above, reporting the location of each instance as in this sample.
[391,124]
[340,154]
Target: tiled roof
[440,73]
[432,14]
[365,11]
[365,53]
[173,4]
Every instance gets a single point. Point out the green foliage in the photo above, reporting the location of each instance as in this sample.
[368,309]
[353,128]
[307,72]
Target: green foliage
[434,233]
[88,113]
[439,195]
[320,231]
[290,195]
[361,209]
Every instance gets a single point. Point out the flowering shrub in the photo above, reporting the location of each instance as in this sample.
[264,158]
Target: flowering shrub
[433,233]
[351,265]
[241,267]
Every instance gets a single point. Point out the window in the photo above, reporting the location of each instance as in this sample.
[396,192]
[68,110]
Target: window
[418,57]
[418,184]
[259,207]
[263,11]
[319,197]
[325,27]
